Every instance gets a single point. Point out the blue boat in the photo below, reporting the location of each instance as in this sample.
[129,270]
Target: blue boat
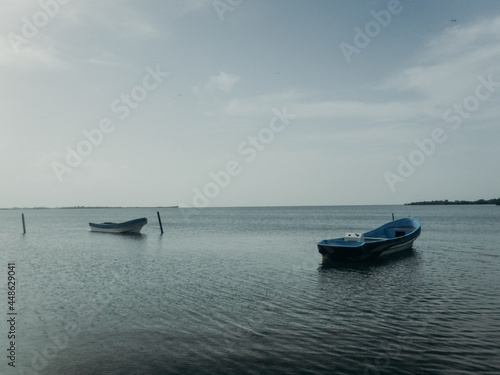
[390,238]
[132,226]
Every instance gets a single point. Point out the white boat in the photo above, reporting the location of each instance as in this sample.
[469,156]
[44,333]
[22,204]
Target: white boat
[132,226]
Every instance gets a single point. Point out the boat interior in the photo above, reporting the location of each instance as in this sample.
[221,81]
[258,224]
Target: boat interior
[384,234]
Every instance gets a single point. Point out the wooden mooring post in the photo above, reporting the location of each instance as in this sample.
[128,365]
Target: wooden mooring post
[24,224]
[159,220]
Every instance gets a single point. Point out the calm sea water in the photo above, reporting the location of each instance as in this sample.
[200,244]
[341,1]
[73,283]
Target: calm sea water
[242,291]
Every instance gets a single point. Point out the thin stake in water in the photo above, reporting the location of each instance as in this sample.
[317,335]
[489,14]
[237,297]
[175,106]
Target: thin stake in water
[159,220]
[24,225]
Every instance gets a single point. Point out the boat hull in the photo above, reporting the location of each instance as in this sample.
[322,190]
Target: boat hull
[391,238]
[132,226]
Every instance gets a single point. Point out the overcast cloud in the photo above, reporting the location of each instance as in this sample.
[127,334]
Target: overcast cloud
[128,103]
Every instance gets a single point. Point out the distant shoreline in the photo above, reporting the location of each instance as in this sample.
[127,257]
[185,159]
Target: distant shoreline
[454,203]
[423,203]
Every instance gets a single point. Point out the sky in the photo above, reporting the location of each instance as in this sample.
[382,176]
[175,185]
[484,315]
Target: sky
[208,103]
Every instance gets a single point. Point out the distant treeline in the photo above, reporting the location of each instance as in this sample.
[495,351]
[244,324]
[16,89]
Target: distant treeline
[447,202]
